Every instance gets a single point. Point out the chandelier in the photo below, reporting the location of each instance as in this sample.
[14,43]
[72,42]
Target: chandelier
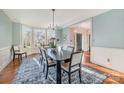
[53,21]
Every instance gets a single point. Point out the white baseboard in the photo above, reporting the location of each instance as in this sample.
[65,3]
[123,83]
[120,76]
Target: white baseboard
[108,57]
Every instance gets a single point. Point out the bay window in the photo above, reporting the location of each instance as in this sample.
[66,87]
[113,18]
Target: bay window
[39,37]
[36,37]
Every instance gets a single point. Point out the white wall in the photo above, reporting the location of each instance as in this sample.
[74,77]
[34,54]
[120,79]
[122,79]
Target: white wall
[5,57]
[112,58]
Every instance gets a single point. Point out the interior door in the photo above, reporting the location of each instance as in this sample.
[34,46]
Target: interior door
[79,41]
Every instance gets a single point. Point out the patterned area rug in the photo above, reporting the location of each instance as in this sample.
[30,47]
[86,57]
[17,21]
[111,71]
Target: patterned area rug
[31,72]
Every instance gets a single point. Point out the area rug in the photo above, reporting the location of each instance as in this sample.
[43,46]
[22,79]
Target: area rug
[31,72]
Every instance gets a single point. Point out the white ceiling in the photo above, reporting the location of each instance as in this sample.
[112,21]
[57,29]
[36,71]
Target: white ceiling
[43,17]
[84,24]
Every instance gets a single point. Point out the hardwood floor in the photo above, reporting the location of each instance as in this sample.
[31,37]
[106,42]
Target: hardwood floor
[114,77]
[7,74]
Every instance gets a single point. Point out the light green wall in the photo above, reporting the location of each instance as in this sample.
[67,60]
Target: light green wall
[108,29]
[5,30]
[58,34]
[66,35]
[16,33]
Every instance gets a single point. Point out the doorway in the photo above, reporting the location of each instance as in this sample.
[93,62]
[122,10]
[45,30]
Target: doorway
[78,42]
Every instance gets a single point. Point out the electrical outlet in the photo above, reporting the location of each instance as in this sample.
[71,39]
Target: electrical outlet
[108,60]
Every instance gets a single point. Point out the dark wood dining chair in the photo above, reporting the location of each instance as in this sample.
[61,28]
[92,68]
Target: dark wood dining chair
[47,62]
[18,53]
[71,49]
[74,65]
[41,55]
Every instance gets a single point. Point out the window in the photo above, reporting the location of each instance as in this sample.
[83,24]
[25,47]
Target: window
[50,34]
[26,36]
[39,37]
[35,37]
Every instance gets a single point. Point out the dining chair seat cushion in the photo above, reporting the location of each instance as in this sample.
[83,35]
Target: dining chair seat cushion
[65,66]
[20,52]
[50,62]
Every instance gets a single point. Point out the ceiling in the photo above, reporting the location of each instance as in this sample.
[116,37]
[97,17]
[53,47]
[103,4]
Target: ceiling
[43,17]
[84,24]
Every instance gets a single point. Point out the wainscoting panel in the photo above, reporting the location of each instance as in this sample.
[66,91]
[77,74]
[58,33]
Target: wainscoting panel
[5,57]
[108,57]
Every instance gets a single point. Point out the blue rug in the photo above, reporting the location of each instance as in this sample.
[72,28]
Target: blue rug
[31,72]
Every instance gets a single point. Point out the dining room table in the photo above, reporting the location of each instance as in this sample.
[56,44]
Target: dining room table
[58,55]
